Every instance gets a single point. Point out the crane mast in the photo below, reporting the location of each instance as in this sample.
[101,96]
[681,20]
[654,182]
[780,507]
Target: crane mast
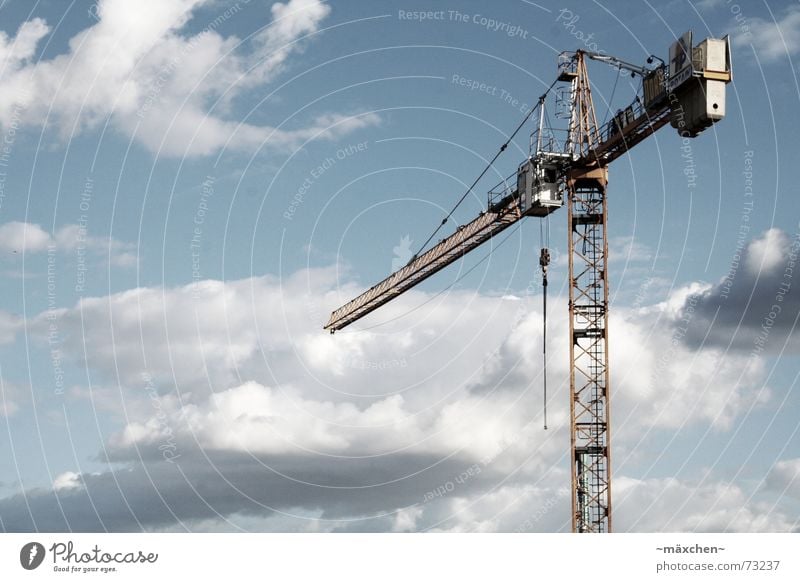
[587,218]
[689,94]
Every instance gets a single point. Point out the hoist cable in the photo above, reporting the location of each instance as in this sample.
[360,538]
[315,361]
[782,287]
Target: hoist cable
[611,100]
[544,261]
[544,346]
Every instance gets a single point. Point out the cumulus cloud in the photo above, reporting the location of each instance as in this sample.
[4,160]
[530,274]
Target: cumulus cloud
[21,49]
[776,38]
[768,252]
[67,480]
[649,505]
[755,307]
[22,236]
[784,478]
[138,67]
[11,395]
[291,22]
[26,237]
[671,504]
[227,349]
[406,519]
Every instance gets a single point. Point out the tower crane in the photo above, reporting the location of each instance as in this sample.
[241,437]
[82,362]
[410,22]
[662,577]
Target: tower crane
[571,165]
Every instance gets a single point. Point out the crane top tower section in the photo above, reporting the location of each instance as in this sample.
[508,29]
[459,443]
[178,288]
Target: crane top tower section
[689,88]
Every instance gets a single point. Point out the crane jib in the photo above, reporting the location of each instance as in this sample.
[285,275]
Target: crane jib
[465,239]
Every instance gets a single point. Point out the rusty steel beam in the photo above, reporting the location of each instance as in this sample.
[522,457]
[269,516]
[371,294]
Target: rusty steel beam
[587,218]
[465,239]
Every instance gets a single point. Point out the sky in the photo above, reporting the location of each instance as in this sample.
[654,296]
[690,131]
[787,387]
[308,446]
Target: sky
[189,187]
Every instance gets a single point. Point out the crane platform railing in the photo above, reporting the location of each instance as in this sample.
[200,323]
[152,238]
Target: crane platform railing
[500,195]
[618,137]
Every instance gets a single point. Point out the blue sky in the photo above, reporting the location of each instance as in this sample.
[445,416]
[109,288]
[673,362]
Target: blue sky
[189,187]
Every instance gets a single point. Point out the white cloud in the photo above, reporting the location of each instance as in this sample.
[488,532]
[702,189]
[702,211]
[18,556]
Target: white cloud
[167,89]
[671,504]
[537,506]
[785,477]
[254,372]
[26,237]
[74,237]
[755,308]
[20,49]
[406,519]
[244,379]
[23,237]
[261,420]
[774,39]
[244,366]
[292,21]
[648,505]
[767,252]
[67,480]
[660,381]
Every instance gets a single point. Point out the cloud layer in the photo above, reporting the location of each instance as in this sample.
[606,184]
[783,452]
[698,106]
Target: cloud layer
[240,410]
[166,88]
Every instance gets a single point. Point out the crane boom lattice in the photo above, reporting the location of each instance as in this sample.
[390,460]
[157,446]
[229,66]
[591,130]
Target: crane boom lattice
[468,237]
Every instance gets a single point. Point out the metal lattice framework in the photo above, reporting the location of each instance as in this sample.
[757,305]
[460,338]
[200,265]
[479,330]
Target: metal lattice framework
[584,132]
[588,309]
[589,373]
[466,238]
